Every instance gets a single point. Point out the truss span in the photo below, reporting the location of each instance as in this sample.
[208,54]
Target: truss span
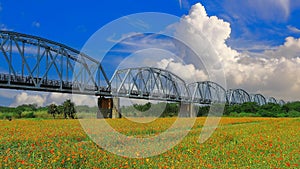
[237,96]
[259,99]
[281,102]
[272,100]
[34,63]
[149,83]
[207,92]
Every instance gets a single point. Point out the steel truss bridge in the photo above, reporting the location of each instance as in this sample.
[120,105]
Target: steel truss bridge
[33,63]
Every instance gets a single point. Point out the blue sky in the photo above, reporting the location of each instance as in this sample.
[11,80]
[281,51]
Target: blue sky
[258,28]
[73,23]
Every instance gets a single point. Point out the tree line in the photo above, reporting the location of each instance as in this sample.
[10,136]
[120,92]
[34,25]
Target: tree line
[252,109]
[248,109]
[68,110]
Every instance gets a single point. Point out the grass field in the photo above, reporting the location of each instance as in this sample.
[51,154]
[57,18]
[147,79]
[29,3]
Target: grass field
[237,143]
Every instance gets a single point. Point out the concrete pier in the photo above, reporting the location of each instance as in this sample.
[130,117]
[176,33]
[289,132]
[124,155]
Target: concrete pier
[108,107]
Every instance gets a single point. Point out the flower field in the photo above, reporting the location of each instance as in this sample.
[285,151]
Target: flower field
[237,143]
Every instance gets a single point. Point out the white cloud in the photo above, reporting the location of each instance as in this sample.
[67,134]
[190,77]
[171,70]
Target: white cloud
[293,29]
[44,99]
[290,49]
[187,72]
[25,98]
[36,24]
[271,72]
[59,98]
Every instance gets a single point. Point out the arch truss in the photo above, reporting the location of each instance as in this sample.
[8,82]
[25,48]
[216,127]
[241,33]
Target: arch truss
[272,100]
[259,99]
[34,63]
[148,83]
[237,96]
[281,102]
[207,92]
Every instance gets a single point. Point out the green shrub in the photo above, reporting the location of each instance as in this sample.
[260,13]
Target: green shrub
[234,114]
[265,113]
[28,115]
[244,114]
[282,115]
[293,113]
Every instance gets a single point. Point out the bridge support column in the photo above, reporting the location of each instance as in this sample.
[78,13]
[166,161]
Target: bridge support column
[187,110]
[116,111]
[108,107]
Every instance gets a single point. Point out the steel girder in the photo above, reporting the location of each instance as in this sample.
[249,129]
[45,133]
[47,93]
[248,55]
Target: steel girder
[149,83]
[34,63]
[207,92]
[237,96]
[259,99]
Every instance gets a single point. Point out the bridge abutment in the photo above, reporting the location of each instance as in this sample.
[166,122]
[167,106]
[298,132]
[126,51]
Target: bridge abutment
[108,107]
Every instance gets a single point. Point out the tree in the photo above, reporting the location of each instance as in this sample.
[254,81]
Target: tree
[19,110]
[52,109]
[69,109]
[249,107]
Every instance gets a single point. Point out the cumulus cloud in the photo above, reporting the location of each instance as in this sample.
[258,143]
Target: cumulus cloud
[25,98]
[290,49]
[271,72]
[59,98]
[44,99]
[187,72]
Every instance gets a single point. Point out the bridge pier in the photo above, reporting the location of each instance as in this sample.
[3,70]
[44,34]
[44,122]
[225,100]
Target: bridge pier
[108,107]
[187,110]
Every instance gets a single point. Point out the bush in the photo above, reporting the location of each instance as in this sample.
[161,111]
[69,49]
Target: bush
[293,113]
[282,115]
[265,113]
[29,115]
[234,114]
[243,114]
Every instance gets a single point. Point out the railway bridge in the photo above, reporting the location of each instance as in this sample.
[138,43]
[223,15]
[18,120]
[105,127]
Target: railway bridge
[33,63]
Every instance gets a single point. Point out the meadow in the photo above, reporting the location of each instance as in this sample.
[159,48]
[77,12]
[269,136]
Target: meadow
[237,143]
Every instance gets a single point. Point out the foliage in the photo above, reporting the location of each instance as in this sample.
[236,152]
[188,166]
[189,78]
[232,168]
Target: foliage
[53,110]
[293,113]
[161,109]
[33,111]
[69,110]
[151,110]
[267,110]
